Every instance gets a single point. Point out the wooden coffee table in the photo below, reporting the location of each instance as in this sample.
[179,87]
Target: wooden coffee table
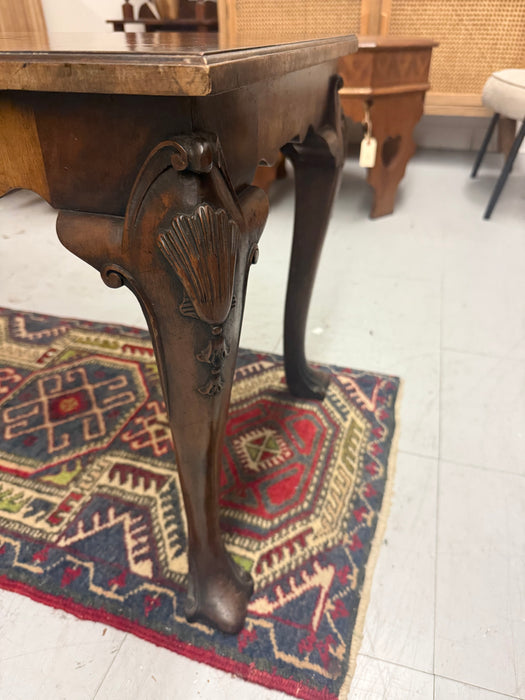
[147,145]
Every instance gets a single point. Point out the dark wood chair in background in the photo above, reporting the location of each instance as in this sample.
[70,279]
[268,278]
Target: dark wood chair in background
[169,16]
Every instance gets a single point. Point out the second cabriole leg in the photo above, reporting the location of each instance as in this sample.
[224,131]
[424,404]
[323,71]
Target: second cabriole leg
[317,162]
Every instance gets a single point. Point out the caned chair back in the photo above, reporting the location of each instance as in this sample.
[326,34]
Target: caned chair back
[245,21]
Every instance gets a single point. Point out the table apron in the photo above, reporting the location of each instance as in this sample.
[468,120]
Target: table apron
[83,151]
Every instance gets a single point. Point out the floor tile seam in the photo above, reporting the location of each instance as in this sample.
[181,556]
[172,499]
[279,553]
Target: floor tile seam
[488,355]
[362,275]
[438,472]
[396,663]
[482,467]
[437,676]
[277,345]
[422,455]
[103,680]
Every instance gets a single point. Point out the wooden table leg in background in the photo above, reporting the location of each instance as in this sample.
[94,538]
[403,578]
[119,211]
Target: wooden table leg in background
[318,163]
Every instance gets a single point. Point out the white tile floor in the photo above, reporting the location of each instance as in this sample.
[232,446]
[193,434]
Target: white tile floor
[433,294]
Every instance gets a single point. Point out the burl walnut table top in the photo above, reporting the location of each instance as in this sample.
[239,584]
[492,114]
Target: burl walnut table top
[152,63]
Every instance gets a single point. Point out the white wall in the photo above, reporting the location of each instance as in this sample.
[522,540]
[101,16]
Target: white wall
[82,15]
[454,133]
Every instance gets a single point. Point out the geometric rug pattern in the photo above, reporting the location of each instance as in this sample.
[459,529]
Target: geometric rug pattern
[91,517]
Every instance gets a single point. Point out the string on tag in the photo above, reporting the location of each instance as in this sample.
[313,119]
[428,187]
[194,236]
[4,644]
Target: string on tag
[367,154]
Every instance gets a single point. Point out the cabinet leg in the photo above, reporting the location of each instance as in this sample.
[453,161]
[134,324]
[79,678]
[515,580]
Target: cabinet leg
[393,118]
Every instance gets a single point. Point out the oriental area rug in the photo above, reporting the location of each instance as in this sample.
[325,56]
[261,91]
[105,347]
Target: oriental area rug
[91,517]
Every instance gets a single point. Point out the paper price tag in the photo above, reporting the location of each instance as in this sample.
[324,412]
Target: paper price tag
[367,155]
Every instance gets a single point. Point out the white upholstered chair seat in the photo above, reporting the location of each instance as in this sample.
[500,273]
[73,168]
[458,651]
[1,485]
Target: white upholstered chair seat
[504,92]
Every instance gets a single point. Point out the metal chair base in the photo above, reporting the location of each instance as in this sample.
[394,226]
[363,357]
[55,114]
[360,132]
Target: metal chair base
[508,163]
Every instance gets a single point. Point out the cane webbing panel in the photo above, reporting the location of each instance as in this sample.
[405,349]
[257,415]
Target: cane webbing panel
[289,20]
[476,38]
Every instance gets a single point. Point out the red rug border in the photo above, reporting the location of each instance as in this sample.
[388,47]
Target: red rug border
[261,678]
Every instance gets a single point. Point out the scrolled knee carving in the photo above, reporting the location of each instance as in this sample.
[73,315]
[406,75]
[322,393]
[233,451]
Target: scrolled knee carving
[193,153]
[112,276]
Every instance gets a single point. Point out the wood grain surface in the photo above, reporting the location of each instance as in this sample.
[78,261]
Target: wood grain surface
[161,63]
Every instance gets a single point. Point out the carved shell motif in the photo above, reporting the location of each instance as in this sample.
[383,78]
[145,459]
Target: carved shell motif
[202,249]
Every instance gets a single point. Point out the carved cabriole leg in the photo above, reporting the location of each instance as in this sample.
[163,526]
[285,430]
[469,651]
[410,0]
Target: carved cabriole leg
[317,162]
[184,249]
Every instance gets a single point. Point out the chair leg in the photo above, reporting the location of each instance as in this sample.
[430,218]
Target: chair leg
[485,143]
[506,170]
